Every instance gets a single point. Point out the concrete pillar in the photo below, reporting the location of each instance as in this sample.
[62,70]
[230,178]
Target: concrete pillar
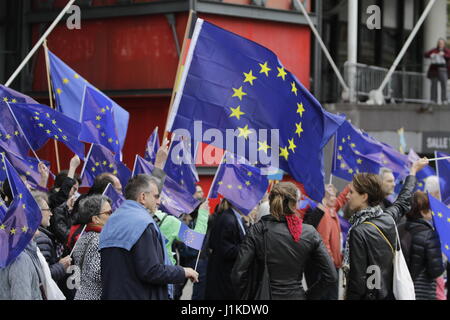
[352,47]
[435,27]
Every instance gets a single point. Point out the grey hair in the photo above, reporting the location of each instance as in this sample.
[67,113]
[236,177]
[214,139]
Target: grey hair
[431,184]
[39,197]
[91,206]
[138,184]
[384,170]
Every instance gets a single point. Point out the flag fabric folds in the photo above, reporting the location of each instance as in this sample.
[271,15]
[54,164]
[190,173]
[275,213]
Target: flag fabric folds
[116,197]
[354,153]
[13,96]
[21,220]
[152,146]
[230,82]
[443,169]
[101,160]
[240,183]
[426,172]
[180,165]
[40,123]
[12,137]
[190,237]
[441,218]
[97,120]
[175,200]
[69,86]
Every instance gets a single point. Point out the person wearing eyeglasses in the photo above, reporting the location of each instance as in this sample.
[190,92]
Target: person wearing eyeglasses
[94,211]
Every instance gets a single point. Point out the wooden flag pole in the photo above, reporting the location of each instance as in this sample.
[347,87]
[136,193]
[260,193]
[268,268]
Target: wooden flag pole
[50,91]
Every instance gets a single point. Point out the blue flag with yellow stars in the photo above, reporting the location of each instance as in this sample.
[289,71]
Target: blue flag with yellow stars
[230,82]
[443,168]
[40,123]
[175,199]
[240,183]
[13,96]
[116,197]
[441,218]
[3,209]
[354,153]
[97,120]
[69,86]
[190,237]
[180,165]
[100,160]
[152,146]
[27,168]
[21,220]
[421,175]
[12,137]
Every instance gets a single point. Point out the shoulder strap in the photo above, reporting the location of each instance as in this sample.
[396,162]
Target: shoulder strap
[382,234]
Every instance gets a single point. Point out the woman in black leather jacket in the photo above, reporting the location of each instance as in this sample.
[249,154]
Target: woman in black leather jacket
[422,248]
[371,240]
[290,244]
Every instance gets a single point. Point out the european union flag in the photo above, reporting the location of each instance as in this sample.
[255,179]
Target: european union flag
[13,96]
[40,123]
[190,237]
[27,167]
[441,218]
[443,169]
[305,203]
[180,165]
[116,197]
[354,153]
[152,146]
[100,160]
[240,183]
[230,82]
[97,120]
[69,89]
[12,137]
[426,172]
[394,160]
[21,220]
[174,199]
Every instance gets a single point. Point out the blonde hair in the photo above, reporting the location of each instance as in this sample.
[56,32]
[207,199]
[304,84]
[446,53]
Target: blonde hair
[283,199]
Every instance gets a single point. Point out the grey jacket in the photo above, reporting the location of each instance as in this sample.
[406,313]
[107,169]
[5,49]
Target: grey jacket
[20,279]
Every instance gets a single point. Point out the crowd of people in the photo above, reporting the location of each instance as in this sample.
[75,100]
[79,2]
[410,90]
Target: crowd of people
[84,250]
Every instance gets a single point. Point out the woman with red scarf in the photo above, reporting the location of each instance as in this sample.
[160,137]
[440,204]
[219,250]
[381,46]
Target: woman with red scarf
[94,212]
[289,245]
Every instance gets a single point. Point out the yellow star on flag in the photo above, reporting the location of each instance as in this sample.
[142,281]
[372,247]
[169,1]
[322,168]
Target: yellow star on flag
[249,77]
[249,173]
[264,68]
[54,121]
[76,76]
[104,162]
[298,129]
[300,109]
[16,133]
[350,170]
[98,118]
[343,165]
[281,73]
[111,165]
[13,100]
[58,90]
[229,186]
[110,140]
[340,148]
[358,161]
[93,169]
[24,229]
[440,214]
[236,112]
[339,157]
[97,164]
[244,132]
[2,227]
[292,145]
[263,146]
[294,88]
[239,187]
[446,247]
[5,99]
[238,93]
[284,153]
[103,110]
[13,231]
[220,183]
[98,126]
[8,136]
[247,183]
[65,81]
[115,172]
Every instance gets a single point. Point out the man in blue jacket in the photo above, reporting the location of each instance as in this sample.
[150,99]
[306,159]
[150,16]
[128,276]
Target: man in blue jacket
[134,262]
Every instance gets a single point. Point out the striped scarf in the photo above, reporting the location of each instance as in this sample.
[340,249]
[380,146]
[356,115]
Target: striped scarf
[357,219]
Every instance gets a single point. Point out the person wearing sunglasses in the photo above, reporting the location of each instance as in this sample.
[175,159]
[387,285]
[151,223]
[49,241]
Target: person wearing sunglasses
[94,211]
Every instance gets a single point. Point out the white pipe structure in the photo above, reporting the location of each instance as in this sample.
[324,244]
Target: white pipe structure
[378,93]
[39,43]
[325,50]
[352,47]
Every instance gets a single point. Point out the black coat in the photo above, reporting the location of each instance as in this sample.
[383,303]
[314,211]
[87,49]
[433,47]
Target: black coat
[45,241]
[138,274]
[61,222]
[285,259]
[225,237]
[424,256]
[369,248]
[56,198]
